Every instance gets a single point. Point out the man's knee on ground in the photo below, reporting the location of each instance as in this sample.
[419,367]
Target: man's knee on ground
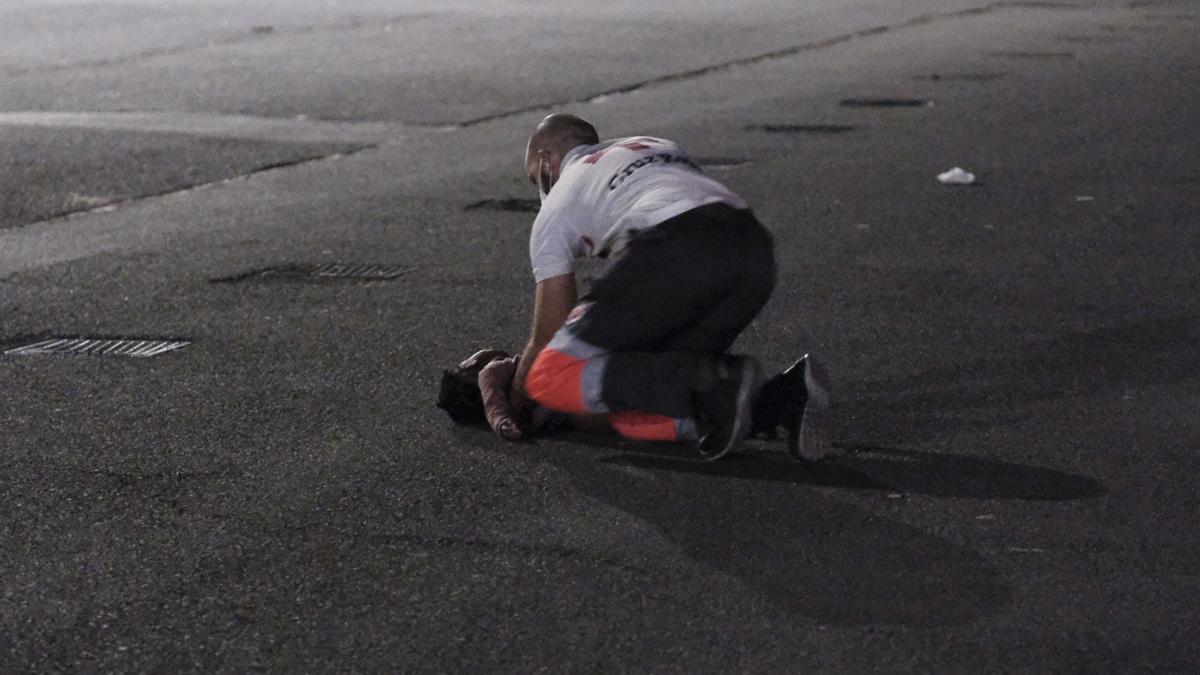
[556,381]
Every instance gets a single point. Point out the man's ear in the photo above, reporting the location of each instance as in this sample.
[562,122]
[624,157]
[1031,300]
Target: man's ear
[552,163]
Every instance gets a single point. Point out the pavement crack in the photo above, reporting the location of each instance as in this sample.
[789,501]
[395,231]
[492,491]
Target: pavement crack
[785,52]
[117,204]
[299,129]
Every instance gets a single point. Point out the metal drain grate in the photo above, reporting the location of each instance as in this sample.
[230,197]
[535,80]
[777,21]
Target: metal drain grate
[1033,55]
[959,77]
[885,103]
[508,204]
[100,347]
[330,271]
[354,271]
[802,128]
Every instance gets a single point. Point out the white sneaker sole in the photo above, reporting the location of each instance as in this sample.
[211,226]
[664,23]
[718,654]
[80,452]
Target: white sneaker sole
[816,426]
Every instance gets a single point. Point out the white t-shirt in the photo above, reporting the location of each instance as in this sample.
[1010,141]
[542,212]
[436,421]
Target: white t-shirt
[609,191]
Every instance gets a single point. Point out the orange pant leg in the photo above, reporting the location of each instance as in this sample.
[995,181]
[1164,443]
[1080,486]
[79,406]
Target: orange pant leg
[640,426]
[556,381]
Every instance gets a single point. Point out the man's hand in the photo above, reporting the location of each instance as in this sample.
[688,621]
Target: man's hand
[519,401]
[553,301]
[494,382]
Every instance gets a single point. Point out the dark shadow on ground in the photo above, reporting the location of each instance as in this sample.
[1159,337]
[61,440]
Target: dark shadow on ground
[815,553]
[946,475]
[774,469]
[805,551]
[990,390]
[858,467]
[810,552]
[886,469]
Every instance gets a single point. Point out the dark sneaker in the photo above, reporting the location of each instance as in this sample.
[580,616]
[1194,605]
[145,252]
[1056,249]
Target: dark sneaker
[723,408]
[781,396]
[797,400]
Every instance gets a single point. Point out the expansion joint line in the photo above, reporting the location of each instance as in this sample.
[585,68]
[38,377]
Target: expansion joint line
[785,52]
[114,205]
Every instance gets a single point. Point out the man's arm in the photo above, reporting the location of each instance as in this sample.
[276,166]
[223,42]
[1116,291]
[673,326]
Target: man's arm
[553,301]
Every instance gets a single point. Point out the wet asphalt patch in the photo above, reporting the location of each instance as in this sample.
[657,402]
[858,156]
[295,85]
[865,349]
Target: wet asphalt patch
[331,272]
[506,204]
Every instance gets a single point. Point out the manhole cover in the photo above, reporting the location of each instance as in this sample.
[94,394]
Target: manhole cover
[139,348]
[885,103]
[802,128]
[331,271]
[509,204]
[1034,55]
[959,77]
[720,162]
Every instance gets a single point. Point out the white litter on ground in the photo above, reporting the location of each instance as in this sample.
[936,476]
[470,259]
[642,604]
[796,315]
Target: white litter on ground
[956,176]
[1084,198]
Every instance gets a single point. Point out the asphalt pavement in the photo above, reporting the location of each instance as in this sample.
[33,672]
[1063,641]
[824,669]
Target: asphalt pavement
[1016,362]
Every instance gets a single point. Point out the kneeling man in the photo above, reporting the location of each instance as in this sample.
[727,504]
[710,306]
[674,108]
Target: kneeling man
[689,268]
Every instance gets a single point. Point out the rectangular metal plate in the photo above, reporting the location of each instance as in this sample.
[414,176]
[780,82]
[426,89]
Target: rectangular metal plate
[136,348]
[323,272]
[354,271]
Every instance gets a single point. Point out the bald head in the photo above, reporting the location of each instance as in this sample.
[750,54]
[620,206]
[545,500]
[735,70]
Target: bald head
[553,139]
[561,132]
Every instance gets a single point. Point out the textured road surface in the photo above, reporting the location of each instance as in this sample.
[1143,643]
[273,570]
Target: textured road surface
[1017,361]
